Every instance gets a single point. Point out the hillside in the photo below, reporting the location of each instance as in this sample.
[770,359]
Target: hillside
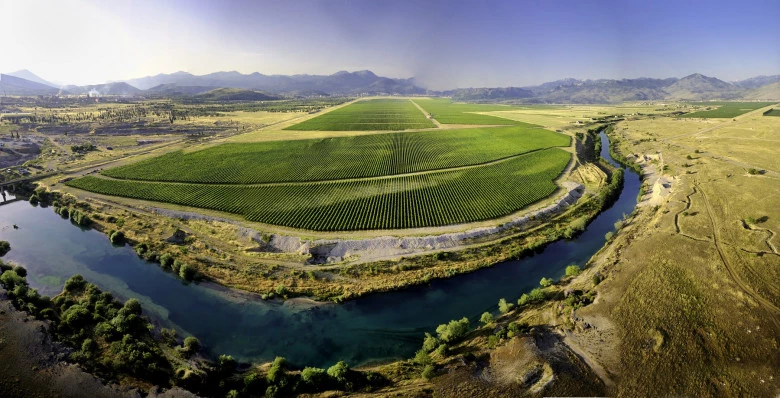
[700,87]
[12,85]
[113,89]
[234,94]
[769,92]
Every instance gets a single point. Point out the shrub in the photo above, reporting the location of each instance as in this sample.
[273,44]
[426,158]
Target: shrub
[176,266]
[75,283]
[487,317]
[572,270]
[141,248]
[536,295]
[454,330]
[166,260]
[504,307]
[545,282]
[21,271]
[117,238]
[339,372]
[186,272]
[523,300]
[422,357]
[276,372]
[428,372]
[314,377]
[281,290]
[5,247]
[191,345]
[608,236]
[430,342]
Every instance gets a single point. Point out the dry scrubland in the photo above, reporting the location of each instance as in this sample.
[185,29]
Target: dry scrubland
[692,304]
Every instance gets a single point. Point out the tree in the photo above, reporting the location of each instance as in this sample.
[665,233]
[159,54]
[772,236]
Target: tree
[428,372]
[75,283]
[572,270]
[339,371]
[545,282]
[117,238]
[186,272]
[314,377]
[5,247]
[454,330]
[191,345]
[486,318]
[504,306]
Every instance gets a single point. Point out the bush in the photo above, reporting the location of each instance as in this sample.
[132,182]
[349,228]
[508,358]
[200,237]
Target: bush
[608,236]
[339,372]
[428,372]
[572,270]
[141,248]
[276,372]
[117,238]
[5,247]
[537,295]
[186,272]
[422,357]
[314,378]
[430,342]
[504,307]
[191,345]
[176,266]
[454,330]
[75,283]
[21,271]
[166,260]
[487,317]
[545,282]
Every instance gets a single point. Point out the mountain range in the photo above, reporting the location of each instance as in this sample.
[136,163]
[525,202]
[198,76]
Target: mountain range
[696,87]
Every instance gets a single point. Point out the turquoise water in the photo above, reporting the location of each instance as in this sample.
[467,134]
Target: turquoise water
[379,327]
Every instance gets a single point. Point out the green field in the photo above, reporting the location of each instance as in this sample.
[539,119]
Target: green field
[368,115]
[344,157]
[772,112]
[419,200]
[726,109]
[447,112]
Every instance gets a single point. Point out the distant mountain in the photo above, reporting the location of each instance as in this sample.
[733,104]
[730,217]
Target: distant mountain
[27,75]
[758,81]
[490,94]
[769,92]
[12,85]
[234,94]
[700,87]
[111,89]
[340,83]
[175,90]
[695,87]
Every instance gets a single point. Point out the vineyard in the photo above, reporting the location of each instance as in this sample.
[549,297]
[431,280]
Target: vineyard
[772,112]
[420,200]
[447,112]
[726,109]
[368,115]
[343,157]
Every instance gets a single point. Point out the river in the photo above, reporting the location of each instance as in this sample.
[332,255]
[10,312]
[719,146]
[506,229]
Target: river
[378,327]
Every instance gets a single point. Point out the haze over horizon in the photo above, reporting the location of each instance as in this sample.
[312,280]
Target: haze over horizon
[442,44]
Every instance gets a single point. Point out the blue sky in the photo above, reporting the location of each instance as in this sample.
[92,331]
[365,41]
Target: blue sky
[444,44]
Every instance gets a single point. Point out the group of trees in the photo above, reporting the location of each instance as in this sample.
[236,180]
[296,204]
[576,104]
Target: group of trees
[115,341]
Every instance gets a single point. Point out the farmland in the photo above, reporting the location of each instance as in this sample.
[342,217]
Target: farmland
[726,109]
[447,112]
[374,114]
[339,158]
[429,199]
[772,112]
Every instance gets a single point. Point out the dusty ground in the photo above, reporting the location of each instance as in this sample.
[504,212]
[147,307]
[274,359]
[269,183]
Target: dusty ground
[690,306]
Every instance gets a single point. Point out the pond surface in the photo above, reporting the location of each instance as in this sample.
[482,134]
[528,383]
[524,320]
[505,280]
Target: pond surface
[379,327]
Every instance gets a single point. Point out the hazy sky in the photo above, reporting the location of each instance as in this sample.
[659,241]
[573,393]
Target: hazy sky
[445,44]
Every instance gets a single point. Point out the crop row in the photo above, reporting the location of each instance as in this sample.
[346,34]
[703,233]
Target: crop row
[341,158]
[377,114]
[447,112]
[422,200]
